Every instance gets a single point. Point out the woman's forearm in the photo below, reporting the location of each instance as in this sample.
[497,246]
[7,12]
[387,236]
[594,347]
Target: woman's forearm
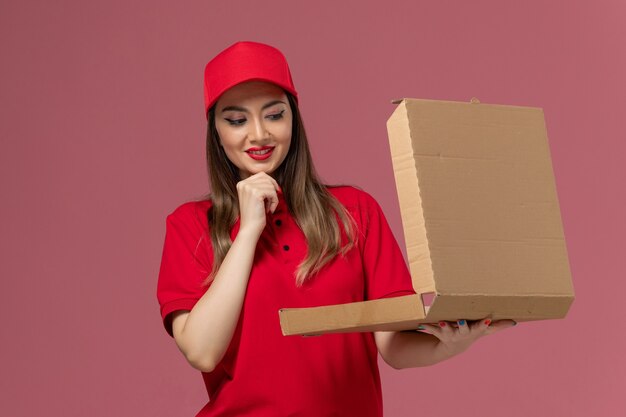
[210,325]
[435,342]
[410,349]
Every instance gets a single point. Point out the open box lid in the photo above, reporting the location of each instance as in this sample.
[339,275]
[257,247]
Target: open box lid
[481,221]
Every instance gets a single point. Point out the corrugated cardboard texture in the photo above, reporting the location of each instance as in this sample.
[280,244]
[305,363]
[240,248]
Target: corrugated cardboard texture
[410,201]
[480,215]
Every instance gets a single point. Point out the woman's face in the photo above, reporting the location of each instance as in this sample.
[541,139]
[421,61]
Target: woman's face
[253,120]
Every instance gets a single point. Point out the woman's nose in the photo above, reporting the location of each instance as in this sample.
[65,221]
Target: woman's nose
[258,131]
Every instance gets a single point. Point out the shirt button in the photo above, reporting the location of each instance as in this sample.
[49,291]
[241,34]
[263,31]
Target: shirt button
[286,247]
[278,222]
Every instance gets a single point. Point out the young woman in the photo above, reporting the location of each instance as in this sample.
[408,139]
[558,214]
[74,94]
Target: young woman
[271,235]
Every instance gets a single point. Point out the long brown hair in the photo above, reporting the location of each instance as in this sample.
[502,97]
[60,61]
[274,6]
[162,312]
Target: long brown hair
[315,210]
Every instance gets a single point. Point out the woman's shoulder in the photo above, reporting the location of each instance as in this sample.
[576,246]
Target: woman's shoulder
[351,196]
[191,211]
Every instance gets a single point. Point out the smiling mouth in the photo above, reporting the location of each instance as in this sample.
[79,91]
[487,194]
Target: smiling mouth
[260,152]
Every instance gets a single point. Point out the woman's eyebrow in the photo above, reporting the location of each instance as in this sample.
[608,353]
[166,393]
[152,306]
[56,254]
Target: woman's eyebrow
[271,103]
[244,110]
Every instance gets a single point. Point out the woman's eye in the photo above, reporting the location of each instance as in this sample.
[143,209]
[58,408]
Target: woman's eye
[235,122]
[276,116]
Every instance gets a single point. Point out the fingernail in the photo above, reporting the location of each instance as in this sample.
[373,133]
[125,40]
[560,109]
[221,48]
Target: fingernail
[442,324]
[487,322]
[461,322]
[420,327]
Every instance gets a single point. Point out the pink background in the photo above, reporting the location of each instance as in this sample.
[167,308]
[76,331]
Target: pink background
[103,135]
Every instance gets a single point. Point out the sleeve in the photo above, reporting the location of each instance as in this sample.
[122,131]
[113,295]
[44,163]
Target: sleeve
[185,264]
[386,272]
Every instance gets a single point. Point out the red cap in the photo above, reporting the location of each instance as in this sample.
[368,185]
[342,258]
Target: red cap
[245,61]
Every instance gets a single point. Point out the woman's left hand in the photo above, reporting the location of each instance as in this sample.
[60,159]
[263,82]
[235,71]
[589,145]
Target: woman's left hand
[456,337]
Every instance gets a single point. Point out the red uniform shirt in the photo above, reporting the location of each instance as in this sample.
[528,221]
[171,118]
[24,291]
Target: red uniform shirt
[264,373]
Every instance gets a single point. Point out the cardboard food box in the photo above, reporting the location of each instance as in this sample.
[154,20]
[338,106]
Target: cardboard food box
[481,221]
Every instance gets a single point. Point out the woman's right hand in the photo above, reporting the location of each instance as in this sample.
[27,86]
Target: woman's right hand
[257,197]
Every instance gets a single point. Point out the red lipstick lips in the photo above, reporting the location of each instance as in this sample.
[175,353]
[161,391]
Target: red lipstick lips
[261,153]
